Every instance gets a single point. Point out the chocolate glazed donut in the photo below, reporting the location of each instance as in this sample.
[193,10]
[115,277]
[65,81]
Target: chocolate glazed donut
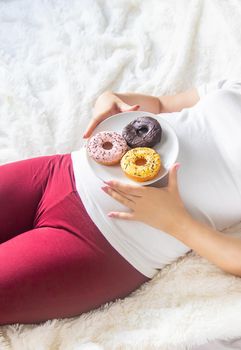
[142,132]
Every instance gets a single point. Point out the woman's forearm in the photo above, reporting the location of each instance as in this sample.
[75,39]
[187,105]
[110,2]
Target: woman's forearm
[175,103]
[161,104]
[217,247]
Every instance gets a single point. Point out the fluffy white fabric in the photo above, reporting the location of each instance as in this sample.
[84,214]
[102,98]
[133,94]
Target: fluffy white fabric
[56,57]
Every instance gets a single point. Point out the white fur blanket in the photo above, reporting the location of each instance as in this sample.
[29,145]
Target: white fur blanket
[56,57]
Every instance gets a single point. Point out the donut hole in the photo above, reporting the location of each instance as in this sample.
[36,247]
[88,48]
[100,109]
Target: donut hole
[140,161]
[107,145]
[143,130]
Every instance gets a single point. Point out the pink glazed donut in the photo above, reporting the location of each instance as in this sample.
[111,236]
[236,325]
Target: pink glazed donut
[107,147]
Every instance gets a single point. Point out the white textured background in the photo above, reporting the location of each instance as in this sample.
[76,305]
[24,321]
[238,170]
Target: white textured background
[56,57]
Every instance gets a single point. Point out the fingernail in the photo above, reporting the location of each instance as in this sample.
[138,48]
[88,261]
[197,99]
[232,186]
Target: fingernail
[107,182]
[177,166]
[104,188]
[111,215]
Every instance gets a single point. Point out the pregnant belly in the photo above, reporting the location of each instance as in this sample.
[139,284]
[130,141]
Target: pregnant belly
[207,184]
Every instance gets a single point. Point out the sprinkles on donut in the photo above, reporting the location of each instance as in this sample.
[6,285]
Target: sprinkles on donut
[107,147]
[141,163]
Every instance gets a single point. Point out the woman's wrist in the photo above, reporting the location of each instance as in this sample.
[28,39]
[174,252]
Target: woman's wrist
[217,247]
[182,227]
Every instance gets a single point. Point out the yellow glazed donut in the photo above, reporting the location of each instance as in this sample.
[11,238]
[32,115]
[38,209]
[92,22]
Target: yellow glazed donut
[141,163]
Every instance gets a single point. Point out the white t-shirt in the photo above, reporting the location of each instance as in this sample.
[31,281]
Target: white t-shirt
[209,179]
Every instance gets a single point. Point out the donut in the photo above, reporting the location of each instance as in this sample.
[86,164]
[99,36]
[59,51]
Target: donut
[142,132]
[107,147]
[141,163]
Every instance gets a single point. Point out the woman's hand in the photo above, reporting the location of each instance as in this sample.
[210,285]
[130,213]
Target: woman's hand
[106,105]
[161,208]
[164,209]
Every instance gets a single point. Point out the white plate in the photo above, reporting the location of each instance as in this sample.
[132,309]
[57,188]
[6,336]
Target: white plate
[167,148]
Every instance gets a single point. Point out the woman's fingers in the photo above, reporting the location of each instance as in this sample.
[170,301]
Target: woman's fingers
[94,122]
[172,181]
[127,195]
[121,215]
[115,108]
[91,126]
[107,113]
[119,197]
[124,107]
[136,190]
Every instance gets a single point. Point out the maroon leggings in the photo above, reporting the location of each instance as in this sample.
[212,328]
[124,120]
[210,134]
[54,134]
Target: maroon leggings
[54,261]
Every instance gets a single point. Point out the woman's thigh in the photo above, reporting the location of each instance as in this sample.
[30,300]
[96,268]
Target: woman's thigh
[23,188]
[22,184]
[51,273]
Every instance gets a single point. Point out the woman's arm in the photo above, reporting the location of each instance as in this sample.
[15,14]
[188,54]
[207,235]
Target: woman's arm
[217,247]
[164,209]
[110,103]
[175,103]
[161,104]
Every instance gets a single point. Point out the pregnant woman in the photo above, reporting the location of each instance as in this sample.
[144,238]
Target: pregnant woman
[70,243]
